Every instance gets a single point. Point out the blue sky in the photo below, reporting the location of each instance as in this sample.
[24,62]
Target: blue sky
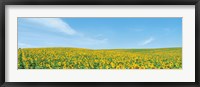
[100,33]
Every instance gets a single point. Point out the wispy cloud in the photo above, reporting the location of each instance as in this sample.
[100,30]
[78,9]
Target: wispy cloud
[92,41]
[55,24]
[147,41]
[76,38]
[167,30]
[23,45]
[137,29]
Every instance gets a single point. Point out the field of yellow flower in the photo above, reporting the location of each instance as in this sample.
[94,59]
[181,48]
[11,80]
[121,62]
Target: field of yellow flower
[79,58]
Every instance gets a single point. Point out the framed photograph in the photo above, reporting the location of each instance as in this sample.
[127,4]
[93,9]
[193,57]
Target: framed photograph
[100,43]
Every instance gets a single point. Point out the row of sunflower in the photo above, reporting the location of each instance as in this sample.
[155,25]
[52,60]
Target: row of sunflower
[79,58]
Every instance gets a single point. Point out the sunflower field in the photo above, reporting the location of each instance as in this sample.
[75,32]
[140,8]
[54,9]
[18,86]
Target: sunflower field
[80,58]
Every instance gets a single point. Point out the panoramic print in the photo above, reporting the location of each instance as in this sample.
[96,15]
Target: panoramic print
[99,43]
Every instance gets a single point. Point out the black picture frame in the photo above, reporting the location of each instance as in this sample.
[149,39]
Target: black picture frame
[3,3]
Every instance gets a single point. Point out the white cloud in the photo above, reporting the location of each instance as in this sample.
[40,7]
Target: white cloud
[137,29]
[91,41]
[88,40]
[23,45]
[148,41]
[51,23]
[56,25]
